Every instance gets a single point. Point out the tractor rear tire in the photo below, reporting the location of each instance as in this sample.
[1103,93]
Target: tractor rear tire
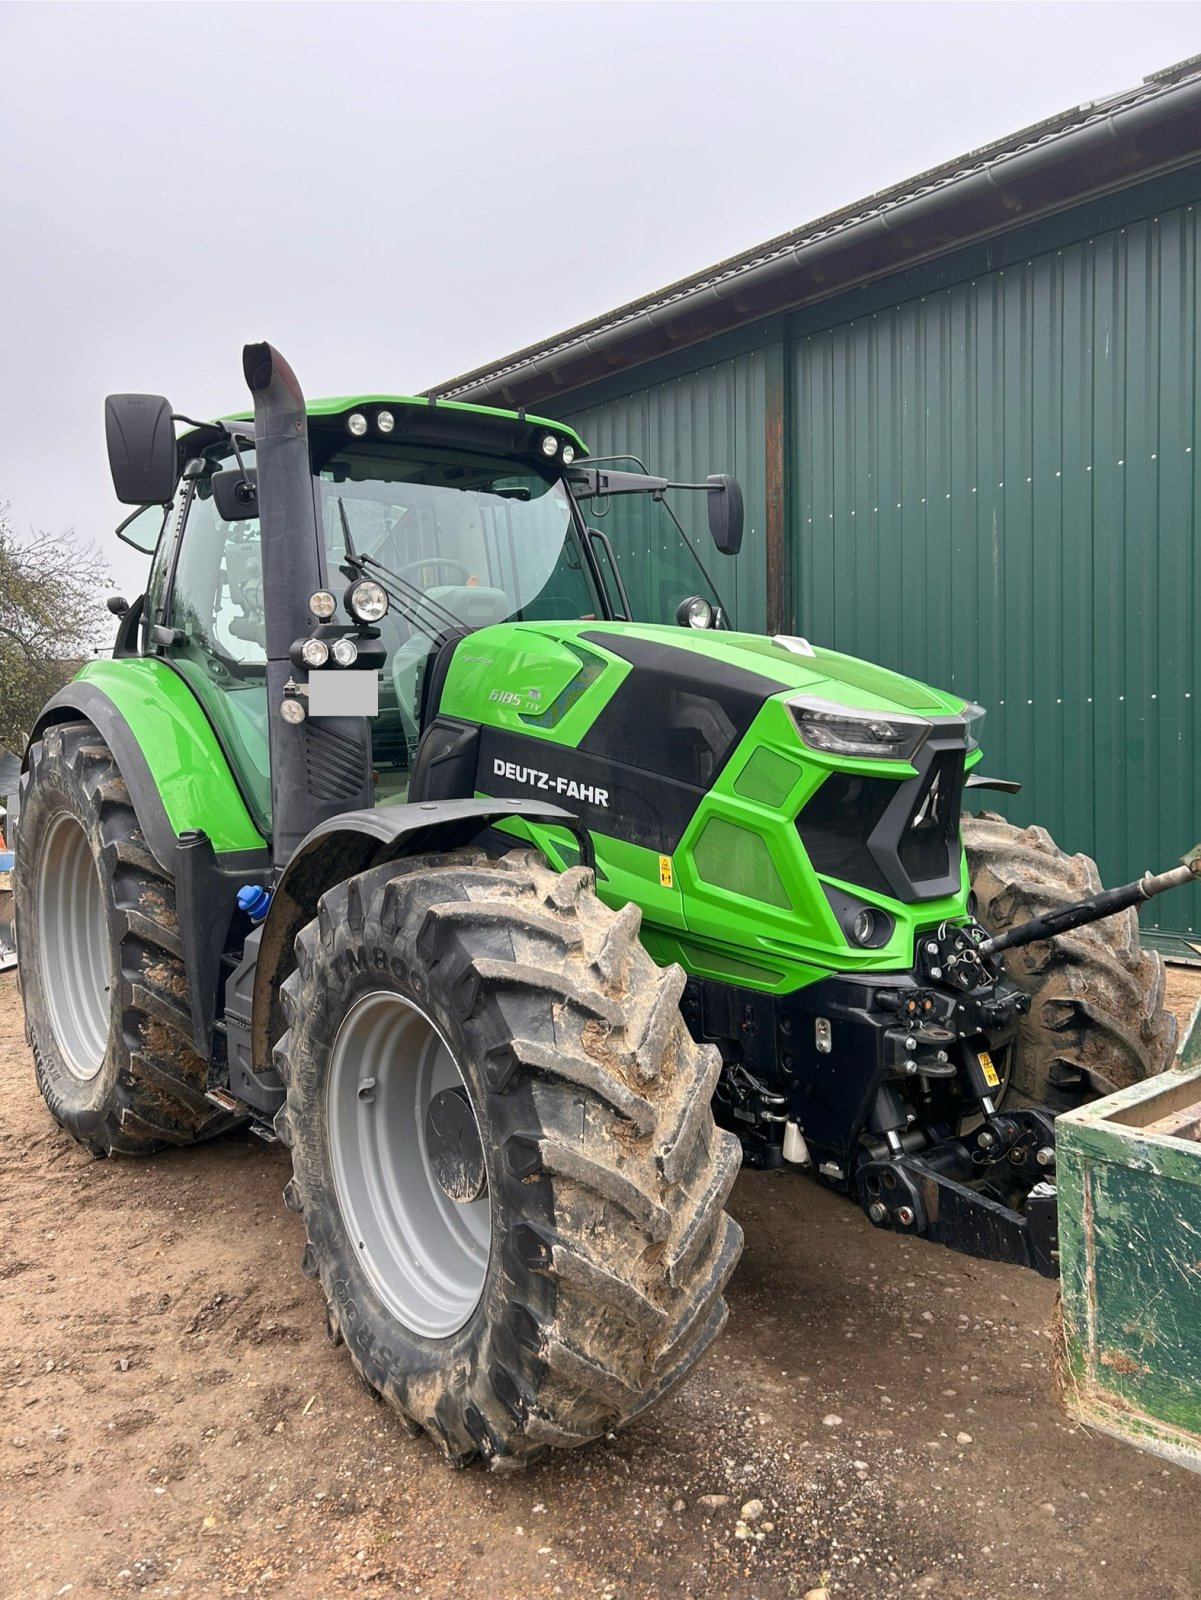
[1097,1020]
[552,1265]
[102,979]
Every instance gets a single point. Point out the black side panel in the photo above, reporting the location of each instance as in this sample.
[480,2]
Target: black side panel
[447,757]
[434,680]
[206,889]
[677,714]
[609,795]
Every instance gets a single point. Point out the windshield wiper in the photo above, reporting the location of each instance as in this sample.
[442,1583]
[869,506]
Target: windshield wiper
[409,598]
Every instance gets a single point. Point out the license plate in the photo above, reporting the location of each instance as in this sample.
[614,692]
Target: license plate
[343,694]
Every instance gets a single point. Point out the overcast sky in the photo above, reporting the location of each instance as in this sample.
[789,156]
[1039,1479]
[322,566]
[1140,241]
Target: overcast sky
[394,193]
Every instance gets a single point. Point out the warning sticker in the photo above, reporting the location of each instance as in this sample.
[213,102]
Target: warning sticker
[987,1068]
[665,872]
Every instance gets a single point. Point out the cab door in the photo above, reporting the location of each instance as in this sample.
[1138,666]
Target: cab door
[207,619]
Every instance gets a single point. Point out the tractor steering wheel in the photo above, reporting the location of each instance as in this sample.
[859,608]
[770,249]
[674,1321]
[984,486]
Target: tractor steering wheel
[434,561]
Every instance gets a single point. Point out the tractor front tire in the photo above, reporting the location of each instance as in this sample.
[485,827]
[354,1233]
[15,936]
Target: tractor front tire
[1097,1020]
[504,1152]
[102,979]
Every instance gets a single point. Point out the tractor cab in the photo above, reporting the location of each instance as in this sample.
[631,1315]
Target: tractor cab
[461,518]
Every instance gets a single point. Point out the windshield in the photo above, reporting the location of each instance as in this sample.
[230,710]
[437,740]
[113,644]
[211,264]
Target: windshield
[465,541]
[657,555]
[458,541]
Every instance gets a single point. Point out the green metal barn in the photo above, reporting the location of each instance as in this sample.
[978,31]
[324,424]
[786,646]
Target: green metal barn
[966,414]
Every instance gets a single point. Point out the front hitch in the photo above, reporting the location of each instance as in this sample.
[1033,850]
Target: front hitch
[933,1194]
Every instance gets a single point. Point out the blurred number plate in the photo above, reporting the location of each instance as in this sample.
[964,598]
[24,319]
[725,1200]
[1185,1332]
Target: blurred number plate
[343,694]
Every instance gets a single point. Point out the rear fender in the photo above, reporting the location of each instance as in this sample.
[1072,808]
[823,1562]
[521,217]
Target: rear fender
[348,844]
[191,815]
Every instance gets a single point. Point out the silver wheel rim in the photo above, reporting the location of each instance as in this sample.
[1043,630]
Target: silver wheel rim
[74,947]
[425,1254]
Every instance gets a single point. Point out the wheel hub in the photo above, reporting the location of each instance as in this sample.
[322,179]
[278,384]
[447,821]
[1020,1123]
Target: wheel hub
[454,1146]
[408,1163]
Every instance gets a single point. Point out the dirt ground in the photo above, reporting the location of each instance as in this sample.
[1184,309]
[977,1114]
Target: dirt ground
[173,1421]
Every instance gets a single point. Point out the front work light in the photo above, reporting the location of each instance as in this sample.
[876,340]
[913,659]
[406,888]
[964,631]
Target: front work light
[357,423]
[346,652]
[366,600]
[568,454]
[694,613]
[314,652]
[385,421]
[848,731]
[322,604]
[550,445]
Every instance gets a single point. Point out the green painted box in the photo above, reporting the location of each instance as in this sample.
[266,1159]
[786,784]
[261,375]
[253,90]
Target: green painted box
[1129,1176]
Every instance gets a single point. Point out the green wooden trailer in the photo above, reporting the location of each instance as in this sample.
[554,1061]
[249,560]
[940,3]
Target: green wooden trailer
[1129,1175]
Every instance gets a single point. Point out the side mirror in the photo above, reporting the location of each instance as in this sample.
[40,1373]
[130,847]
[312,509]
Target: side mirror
[725,512]
[236,494]
[141,448]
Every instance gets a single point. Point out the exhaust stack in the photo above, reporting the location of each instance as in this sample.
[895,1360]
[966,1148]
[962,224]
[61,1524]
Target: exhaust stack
[293,563]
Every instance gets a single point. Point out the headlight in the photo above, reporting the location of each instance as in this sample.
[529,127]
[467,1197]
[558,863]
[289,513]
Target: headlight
[314,652]
[694,613]
[366,600]
[346,652]
[974,716]
[385,421]
[863,925]
[322,604]
[357,423]
[550,444]
[846,731]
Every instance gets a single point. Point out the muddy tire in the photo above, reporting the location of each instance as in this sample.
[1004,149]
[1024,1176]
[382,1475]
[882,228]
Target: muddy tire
[1097,1020]
[556,1265]
[106,1003]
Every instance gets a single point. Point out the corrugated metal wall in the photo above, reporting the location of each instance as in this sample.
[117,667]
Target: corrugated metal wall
[710,420]
[993,486]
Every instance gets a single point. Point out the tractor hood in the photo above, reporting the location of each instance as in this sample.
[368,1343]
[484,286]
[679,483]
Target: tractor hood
[781,664]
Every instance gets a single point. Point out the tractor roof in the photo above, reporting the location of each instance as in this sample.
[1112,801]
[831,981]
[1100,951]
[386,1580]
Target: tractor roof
[340,405]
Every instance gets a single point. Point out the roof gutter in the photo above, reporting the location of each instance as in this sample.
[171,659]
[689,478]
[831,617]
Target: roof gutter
[1111,149]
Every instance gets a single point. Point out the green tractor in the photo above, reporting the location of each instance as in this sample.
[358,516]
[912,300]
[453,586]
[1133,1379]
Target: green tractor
[430,818]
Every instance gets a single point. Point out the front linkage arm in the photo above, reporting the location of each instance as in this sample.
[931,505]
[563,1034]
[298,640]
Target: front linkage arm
[1096,907]
[992,1192]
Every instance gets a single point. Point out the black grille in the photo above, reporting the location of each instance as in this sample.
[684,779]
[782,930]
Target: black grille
[929,846]
[898,839]
[334,764]
[838,822]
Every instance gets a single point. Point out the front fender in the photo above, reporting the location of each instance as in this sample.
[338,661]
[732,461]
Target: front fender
[343,846]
